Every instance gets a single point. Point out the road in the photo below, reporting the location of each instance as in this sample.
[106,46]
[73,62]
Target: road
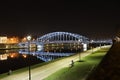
[43,71]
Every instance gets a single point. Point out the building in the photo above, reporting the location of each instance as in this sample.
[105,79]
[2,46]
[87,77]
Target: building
[6,42]
[3,40]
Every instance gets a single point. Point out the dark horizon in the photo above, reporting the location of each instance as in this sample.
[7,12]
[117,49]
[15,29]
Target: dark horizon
[93,20]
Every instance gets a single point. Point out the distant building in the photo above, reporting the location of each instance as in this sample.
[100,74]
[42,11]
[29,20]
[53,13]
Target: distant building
[6,40]
[3,39]
[12,40]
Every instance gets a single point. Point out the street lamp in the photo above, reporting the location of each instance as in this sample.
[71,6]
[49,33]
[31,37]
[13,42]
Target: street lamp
[29,38]
[79,41]
[92,45]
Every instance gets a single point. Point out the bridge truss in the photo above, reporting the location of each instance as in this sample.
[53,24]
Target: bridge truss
[62,37]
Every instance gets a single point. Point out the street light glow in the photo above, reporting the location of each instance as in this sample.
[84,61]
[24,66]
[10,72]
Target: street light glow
[29,38]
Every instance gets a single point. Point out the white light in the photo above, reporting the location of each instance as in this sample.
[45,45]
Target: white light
[79,40]
[92,41]
[29,38]
[84,47]
[39,47]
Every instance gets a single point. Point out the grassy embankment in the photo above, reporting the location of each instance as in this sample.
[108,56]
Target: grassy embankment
[80,70]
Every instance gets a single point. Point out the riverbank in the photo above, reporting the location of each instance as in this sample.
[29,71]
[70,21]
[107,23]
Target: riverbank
[109,68]
[41,72]
[81,69]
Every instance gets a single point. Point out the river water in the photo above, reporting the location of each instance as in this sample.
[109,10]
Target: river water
[18,58]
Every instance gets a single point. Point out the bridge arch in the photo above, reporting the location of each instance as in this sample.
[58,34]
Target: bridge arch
[62,37]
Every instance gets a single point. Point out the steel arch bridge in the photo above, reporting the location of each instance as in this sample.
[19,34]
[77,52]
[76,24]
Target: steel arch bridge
[62,37]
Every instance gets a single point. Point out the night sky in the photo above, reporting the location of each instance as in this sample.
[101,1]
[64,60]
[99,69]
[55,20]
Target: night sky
[91,19]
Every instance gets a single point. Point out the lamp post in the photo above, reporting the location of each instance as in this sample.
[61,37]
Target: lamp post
[92,45]
[29,38]
[79,41]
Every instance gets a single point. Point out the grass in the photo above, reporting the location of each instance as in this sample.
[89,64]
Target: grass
[81,69]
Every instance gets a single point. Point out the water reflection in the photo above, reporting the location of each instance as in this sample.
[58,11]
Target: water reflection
[48,56]
[5,54]
[45,56]
[17,58]
[50,53]
[12,60]
[63,48]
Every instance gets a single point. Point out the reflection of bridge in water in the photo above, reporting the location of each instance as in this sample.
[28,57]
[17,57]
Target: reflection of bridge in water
[52,54]
[45,56]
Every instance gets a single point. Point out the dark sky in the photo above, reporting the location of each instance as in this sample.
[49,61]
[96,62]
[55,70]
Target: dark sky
[92,19]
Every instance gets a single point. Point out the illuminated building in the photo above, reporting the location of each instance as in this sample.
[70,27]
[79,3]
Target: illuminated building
[12,40]
[6,40]
[3,40]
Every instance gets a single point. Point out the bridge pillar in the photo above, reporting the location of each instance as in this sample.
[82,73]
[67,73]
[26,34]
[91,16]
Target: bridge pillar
[40,46]
[84,46]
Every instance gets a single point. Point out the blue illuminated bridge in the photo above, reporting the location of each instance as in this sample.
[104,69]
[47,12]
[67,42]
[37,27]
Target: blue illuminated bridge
[61,37]
[59,44]
[58,37]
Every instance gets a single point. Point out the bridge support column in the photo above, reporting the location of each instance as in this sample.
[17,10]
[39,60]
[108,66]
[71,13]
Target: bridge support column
[84,46]
[40,46]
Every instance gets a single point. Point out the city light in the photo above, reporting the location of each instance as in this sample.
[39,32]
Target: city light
[29,38]
[39,47]
[24,55]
